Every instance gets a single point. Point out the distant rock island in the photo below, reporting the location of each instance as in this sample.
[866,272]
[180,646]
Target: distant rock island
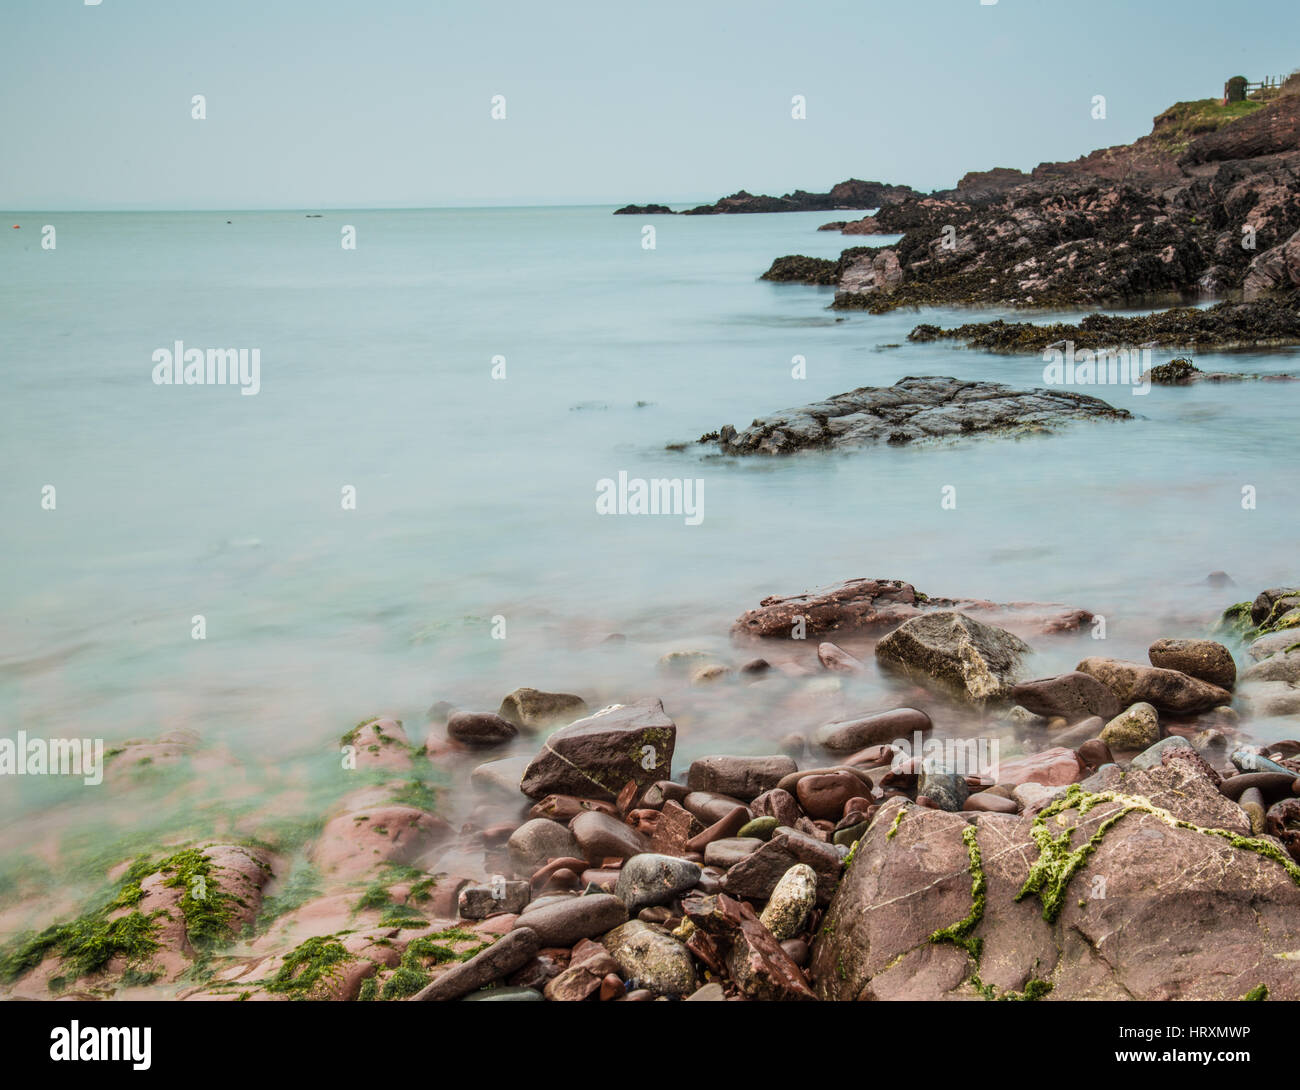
[852,194]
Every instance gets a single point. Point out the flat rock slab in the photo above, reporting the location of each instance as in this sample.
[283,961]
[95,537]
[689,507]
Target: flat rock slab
[915,410]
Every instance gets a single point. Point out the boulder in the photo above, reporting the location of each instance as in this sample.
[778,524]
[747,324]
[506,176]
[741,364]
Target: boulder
[953,906]
[533,710]
[1074,697]
[1166,690]
[1204,659]
[960,656]
[598,755]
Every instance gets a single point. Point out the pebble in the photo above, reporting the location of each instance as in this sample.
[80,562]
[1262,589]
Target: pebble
[793,898]
[650,879]
[729,851]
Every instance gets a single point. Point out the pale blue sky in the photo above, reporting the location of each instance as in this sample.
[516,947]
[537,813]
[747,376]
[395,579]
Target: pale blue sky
[340,103]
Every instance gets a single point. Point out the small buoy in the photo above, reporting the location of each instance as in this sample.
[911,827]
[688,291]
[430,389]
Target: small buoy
[16,227]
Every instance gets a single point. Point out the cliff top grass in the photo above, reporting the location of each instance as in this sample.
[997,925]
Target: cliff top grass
[1183,122]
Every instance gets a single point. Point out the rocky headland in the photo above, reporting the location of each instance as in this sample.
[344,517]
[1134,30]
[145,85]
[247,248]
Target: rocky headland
[852,194]
[1206,206]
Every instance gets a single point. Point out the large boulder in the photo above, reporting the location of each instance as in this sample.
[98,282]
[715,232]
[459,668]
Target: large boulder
[960,656]
[1155,893]
[598,755]
[1165,690]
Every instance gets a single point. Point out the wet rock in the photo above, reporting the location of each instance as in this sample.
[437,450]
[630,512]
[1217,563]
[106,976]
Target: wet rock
[564,922]
[539,840]
[1154,754]
[823,796]
[743,778]
[1198,892]
[761,828]
[533,710]
[792,900]
[960,656]
[710,993]
[505,995]
[730,850]
[1166,690]
[602,837]
[927,408]
[1032,797]
[711,807]
[986,802]
[479,729]
[509,953]
[852,735]
[376,743]
[500,777]
[836,659]
[478,902]
[942,786]
[354,843]
[652,958]
[757,875]
[650,879]
[1074,696]
[1203,659]
[776,803]
[1135,728]
[1281,666]
[1094,753]
[598,755]
[1053,767]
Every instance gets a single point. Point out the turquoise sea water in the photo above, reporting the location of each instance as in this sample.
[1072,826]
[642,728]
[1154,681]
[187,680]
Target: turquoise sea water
[476,497]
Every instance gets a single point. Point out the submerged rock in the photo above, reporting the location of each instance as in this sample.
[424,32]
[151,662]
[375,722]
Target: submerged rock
[915,410]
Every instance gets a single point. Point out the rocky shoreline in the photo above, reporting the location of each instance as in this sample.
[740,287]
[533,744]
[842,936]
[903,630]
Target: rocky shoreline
[1207,206]
[590,869]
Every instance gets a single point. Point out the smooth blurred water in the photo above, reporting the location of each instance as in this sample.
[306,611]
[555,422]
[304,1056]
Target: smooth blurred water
[476,498]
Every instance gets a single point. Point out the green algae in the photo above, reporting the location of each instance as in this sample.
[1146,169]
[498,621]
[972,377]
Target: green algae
[959,933]
[1257,994]
[1058,861]
[309,967]
[898,820]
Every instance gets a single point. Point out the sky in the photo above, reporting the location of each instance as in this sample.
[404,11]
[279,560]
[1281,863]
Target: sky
[388,103]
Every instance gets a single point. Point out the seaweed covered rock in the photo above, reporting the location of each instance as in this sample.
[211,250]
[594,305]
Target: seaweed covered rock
[1152,890]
